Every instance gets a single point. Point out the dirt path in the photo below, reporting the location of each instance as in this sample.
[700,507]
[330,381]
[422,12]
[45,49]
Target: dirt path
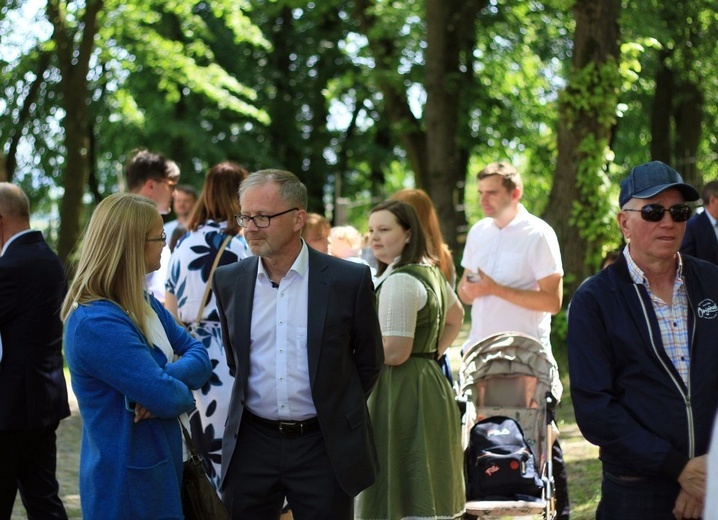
[68,462]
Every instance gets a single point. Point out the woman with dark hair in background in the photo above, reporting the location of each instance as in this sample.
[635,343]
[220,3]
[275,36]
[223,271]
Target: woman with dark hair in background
[429,221]
[210,224]
[412,408]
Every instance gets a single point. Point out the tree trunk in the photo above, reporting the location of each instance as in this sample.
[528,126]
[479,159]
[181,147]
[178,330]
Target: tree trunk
[689,121]
[660,115]
[436,153]
[443,170]
[576,201]
[450,24]
[74,66]
[26,113]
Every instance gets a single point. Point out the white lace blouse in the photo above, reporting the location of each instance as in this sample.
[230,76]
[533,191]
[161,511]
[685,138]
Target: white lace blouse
[401,298]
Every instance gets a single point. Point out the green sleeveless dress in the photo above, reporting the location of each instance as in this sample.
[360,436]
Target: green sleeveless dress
[416,425]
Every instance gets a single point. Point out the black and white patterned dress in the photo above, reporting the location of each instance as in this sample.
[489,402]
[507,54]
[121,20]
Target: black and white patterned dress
[189,270]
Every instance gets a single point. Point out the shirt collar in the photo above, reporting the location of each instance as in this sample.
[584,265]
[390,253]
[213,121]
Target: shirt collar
[379,279]
[300,265]
[637,274]
[521,215]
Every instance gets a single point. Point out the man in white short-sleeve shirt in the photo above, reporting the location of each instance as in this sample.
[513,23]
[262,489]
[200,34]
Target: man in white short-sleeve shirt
[512,275]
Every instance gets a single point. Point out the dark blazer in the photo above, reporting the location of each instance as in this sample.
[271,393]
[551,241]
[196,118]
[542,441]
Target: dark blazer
[700,239]
[344,351]
[32,383]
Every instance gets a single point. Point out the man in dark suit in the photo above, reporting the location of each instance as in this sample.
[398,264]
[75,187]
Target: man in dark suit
[301,334]
[701,238]
[32,383]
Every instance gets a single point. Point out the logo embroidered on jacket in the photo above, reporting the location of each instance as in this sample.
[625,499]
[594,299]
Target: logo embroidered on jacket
[707,309]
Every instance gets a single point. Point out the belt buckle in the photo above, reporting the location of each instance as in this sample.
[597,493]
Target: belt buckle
[290,428]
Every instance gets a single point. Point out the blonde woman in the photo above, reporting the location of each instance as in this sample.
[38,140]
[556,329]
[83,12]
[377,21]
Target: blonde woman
[120,343]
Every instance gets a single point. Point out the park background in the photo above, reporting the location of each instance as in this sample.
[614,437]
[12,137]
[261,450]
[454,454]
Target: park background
[360,98]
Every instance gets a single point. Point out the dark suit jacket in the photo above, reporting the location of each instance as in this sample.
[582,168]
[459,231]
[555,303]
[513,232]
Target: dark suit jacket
[344,351]
[700,239]
[32,383]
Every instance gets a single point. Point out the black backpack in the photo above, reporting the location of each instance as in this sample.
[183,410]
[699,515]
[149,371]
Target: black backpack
[499,462]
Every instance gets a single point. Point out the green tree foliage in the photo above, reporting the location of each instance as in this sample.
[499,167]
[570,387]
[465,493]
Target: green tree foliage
[360,98]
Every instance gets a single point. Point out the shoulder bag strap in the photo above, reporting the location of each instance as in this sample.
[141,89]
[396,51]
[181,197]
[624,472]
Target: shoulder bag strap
[209,279]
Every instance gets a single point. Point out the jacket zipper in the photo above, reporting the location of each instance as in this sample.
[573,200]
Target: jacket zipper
[686,396]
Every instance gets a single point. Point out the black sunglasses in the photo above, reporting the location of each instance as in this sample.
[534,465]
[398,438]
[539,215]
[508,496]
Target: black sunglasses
[655,212]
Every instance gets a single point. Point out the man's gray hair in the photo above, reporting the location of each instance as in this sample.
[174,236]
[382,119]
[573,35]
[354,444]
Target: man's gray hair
[291,189]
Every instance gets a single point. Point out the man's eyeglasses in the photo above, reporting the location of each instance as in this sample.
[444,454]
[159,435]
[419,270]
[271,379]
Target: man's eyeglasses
[162,238]
[170,182]
[655,212]
[261,221]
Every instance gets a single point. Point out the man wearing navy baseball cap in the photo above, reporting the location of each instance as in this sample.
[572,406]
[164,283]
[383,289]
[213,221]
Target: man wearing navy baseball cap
[643,357]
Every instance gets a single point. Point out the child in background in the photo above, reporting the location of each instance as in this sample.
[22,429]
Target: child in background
[346,243]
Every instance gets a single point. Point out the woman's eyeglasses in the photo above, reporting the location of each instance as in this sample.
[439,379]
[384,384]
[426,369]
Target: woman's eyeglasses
[655,212]
[162,238]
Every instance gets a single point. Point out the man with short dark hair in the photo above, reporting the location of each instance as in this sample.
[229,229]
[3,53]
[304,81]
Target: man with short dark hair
[643,359]
[513,279]
[32,383]
[701,238]
[155,177]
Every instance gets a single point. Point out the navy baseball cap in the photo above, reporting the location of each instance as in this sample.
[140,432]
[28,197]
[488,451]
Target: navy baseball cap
[649,179]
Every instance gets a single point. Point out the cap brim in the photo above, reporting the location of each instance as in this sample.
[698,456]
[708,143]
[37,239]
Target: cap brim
[690,194]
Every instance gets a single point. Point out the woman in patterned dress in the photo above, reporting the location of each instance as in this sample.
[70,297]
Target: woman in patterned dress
[210,223]
[412,408]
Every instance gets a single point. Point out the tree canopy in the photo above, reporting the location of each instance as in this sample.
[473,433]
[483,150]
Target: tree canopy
[360,98]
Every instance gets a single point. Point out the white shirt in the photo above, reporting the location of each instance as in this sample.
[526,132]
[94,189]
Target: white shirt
[170,227]
[278,383]
[519,255]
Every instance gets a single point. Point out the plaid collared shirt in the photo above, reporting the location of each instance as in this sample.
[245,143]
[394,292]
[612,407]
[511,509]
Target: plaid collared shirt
[672,319]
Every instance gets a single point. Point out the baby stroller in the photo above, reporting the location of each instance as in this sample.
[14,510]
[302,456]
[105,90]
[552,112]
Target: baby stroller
[512,375]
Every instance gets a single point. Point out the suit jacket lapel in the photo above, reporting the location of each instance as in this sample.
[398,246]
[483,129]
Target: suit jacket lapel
[318,286]
[244,289]
[708,234]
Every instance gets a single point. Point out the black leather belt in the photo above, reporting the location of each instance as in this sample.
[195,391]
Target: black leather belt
[288,428]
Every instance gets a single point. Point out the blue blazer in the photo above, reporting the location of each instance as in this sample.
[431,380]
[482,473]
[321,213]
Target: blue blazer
[700,239]
[344,351]
[32,383]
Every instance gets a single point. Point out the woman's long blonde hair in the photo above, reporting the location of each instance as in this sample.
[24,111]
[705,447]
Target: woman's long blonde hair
[112,261]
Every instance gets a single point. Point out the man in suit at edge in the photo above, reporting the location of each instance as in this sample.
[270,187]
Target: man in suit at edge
[32,383]
[701,238]
[302,336]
